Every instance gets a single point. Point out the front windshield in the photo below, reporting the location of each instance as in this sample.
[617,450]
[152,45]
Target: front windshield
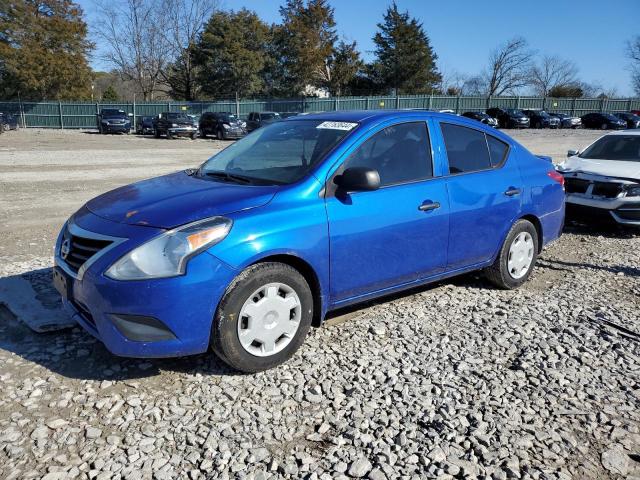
[270,116]
[615,147]
[229,118]
[111,111]
[513,111]
[177,116]
[280,153]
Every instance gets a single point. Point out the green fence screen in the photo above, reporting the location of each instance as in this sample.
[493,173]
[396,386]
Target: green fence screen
[83,114]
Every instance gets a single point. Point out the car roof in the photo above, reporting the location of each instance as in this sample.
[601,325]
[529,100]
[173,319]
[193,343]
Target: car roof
[367,116]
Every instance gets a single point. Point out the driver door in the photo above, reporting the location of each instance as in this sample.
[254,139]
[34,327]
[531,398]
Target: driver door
[394,235]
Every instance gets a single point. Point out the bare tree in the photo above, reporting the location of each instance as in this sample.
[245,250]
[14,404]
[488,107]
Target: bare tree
[633,54]
[508,68]
[553,72]
[136,44]
[184,20]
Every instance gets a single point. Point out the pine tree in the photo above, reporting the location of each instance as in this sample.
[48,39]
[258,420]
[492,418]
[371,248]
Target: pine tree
[43,50]
[405,60]
[342,68]
[231,54]
[305,42]
[110,94]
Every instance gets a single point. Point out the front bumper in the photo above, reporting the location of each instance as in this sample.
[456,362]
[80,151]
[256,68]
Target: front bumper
[625,211]
[184,306]
[116,128]
[235,133]
[182,131]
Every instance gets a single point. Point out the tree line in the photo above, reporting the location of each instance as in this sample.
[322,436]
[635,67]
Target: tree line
[191,49]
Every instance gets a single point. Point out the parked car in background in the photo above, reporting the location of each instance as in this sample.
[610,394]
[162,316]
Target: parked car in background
[541,119]
[223,125]
[174,124]
[633,121]
[509,117]
[245,253]
[284,115]
[196,121]
[603,121]
[8,122]
[144,125]
[113,120]
[567,121]
[482,118]
[603,181]
[256,120]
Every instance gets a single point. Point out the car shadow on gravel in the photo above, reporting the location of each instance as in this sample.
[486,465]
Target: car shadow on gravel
[73,353]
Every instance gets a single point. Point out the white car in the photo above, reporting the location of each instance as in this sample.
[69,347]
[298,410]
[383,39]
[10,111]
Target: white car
[603,181]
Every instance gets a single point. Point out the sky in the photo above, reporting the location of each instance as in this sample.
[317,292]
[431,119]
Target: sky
[591,33]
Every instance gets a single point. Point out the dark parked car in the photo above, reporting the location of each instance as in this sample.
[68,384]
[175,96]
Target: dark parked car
[174,124]
[509,117]
[113,120]
[633,121]
[567,121]
[603,121]
[224,125]
[260,119]
[482,118]
[8,122]
[541,119]
[144,125]
[284,115]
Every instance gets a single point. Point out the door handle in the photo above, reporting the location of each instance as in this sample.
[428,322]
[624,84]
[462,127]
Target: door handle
[427,206]
[512,191]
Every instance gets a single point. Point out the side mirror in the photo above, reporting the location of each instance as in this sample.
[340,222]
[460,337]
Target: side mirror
[572,153]
[358,179]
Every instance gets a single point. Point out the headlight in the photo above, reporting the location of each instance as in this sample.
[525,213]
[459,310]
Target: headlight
[633,191]
[174,125]
[104,122]
[225,126]
[168,254]
[243,124]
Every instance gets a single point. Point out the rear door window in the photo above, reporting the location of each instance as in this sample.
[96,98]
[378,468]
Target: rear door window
[497,150]
[467,149]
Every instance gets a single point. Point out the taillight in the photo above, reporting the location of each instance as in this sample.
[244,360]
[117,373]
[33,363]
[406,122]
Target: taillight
[558,177]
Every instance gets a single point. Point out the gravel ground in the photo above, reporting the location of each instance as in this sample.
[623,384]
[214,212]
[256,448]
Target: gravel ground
[456,380]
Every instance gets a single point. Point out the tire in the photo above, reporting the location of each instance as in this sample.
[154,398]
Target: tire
[156,133]
[500,273]
[603,126]
[194,136]
[220,134]
[245,288]
[169,135]
[202,134]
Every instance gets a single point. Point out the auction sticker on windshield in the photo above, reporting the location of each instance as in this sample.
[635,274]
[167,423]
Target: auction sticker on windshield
[338,125]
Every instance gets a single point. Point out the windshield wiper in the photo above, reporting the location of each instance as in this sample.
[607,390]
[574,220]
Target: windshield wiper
[229,177]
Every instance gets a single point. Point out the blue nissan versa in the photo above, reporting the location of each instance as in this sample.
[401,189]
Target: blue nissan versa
[303,216]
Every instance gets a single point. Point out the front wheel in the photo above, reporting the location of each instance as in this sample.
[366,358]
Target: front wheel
[263,318]
[603,126]
[220,134]
[517,257]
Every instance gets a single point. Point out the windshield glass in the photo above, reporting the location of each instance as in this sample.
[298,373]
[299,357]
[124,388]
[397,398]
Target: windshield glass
[270,116]
[513,111]
[280,153]
[112,111]
[177,116]
[615,147]
[229,118]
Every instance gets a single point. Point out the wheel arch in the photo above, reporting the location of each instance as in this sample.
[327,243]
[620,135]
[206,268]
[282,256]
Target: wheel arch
[538,226]
[309,274]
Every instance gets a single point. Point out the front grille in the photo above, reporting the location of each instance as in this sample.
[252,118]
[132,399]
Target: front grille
[81,249]
[607,189]
[576,185]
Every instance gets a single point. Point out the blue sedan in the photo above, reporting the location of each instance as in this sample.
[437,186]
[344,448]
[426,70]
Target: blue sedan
[244,254]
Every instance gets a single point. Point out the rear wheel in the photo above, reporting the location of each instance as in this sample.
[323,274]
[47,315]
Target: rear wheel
[263,317]
[517,257]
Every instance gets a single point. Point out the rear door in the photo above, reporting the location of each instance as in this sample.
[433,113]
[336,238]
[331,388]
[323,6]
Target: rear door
[398,233]
[484,187]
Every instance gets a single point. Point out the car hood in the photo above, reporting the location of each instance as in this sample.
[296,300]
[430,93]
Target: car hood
[177,199]
[607,168]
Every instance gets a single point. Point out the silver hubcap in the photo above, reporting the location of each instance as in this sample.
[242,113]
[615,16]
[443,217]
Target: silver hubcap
[269,319]
[520,255]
